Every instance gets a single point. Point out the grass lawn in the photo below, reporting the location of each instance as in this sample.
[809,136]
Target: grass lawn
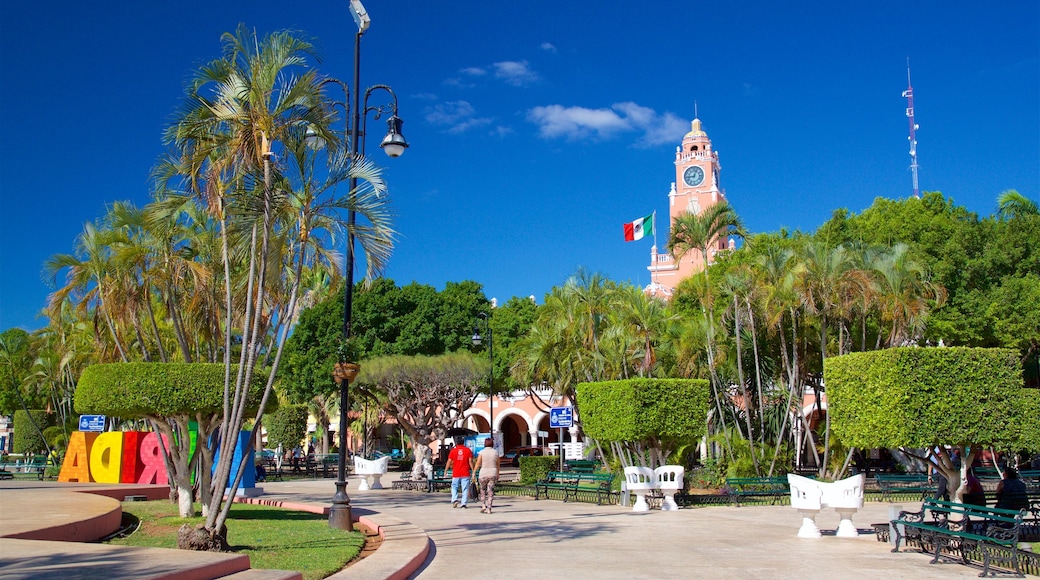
[272,537]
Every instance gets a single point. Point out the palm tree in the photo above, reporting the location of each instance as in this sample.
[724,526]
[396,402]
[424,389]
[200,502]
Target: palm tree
[1012,204]
[88,279]
[699,231]
[905,295]
[825,281]
[244,118]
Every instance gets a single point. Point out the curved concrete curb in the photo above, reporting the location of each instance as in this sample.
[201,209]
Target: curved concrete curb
[403,550]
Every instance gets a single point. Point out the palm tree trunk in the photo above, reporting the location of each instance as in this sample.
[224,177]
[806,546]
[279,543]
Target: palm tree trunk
[155,330]
[748,409]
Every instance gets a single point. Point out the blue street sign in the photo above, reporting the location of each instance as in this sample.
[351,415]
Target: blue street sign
[561,417]
[92,423]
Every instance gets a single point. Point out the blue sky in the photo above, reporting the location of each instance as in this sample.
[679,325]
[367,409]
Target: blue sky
[538,128]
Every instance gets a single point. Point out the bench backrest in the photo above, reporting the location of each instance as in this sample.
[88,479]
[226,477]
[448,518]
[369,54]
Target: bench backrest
[902,477]
[744,482]
[998,515]
[639,477]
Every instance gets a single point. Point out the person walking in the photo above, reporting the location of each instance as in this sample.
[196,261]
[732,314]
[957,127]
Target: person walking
[487,468]
[460,462]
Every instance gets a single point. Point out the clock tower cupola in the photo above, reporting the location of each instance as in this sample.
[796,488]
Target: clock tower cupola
[696,188]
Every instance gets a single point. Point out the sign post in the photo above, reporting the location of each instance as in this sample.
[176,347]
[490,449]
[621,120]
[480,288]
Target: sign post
[560,417]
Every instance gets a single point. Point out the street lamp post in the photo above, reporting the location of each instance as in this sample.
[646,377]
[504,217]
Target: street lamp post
[477,340]
[393,144]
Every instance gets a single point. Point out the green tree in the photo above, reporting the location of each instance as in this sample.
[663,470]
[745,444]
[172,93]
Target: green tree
[426,395]
[170,396]
[16,357]
[287,426]
[645,420]
[915,398]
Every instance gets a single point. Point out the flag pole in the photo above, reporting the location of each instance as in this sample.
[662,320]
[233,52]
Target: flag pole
[653,265]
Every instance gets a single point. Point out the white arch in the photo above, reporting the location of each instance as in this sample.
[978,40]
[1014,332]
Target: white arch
[509,411]
[474,411]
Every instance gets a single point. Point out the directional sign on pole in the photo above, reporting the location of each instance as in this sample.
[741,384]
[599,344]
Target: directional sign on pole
[561,417]
[94,423]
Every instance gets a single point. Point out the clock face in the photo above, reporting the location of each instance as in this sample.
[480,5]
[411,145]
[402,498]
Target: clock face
[693,175]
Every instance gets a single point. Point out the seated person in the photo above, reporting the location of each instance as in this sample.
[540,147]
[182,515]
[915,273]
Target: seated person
[1011,491]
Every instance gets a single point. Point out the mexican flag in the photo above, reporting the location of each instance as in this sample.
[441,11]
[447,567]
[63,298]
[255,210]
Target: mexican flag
[635,230]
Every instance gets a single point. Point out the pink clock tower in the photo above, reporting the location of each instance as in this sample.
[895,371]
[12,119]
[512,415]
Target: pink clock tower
[696,188]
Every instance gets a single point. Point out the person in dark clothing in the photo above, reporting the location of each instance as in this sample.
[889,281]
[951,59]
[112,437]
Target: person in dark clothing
[974,494]
[1011,491]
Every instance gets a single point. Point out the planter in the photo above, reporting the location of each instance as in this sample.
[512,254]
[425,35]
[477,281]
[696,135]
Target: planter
[345,371]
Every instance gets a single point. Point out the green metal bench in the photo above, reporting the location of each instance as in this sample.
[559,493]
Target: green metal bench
[914,483]
[574,482]
[775,488]
[962,528]
[33,469]
[582,465]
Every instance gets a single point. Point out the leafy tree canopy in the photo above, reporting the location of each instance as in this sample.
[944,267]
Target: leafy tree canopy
[135,390]
[922,397]
[387,320]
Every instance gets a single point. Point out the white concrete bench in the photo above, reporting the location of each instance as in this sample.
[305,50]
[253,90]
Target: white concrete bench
[667,479]
[809,496]
[370,471]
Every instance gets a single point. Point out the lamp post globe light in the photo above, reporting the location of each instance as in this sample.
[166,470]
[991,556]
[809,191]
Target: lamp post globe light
[477,340]
[393,144]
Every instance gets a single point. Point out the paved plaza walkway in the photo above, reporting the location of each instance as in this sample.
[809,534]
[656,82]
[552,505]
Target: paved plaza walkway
[527,539]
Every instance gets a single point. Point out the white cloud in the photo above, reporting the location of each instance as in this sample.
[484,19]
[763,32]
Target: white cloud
[557,121]
[456,116]
[576,122]
[516,73]
[548,47]
[473,71]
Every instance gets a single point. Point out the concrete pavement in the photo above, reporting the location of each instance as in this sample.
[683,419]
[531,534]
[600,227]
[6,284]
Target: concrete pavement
[524,538]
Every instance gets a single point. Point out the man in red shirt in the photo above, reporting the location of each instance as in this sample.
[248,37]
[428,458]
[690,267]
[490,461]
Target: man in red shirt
[460,462]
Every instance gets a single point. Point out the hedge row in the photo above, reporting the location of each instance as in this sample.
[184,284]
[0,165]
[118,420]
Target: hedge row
[668,410]
[919,397]
[132,390]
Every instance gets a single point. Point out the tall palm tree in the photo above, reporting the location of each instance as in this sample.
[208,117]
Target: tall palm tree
[699,232]
[824,283]
[244,119]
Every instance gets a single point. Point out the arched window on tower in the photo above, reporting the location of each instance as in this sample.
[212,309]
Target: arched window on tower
[693,148]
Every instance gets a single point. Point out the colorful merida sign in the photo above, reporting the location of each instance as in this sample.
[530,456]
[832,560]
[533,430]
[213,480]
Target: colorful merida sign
[114,457]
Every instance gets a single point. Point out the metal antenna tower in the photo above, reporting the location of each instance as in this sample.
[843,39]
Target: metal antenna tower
[909,94]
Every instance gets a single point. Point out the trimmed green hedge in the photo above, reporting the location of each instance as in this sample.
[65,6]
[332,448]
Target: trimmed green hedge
[132,390]
[670,411]
[919,397]
[27,439]
[534,468]
[287,426]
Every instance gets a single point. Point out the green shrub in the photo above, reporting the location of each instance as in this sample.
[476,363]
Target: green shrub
[135,390]
[920,397]
[287,426]
[662,414]
[534,468]
[28,438]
